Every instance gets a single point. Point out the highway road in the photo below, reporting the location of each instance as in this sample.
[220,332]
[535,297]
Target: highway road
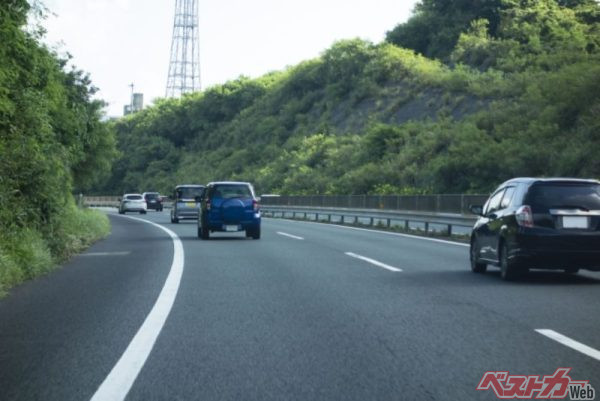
[309,312]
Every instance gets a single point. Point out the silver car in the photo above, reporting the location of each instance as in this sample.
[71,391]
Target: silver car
[133,203]
[185,202]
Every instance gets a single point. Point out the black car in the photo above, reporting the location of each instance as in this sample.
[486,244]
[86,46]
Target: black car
[538,223]
[153,200]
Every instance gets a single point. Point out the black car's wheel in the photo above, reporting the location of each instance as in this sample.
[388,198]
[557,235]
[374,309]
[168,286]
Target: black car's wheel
[121,211]
[142,212]
[174,219]
[508,269]
[476,265]
[256,233]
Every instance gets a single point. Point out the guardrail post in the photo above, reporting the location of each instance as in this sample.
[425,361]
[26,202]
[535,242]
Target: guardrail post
[317,217]
[406,225]
[426,226]
[389,223]
[371,221]
[449,232]
[329,218]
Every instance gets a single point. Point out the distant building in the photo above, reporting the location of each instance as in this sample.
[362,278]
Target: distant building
[137,104]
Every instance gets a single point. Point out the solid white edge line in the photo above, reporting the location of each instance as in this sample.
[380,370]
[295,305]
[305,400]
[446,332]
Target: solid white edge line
[569,342]
[120,379]
[381,232]
[290,235]
[120,253]
[374,262]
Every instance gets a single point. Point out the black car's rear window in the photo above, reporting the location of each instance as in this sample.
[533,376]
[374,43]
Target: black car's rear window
[542,197]
[189,192]
[227,191]
[151,196]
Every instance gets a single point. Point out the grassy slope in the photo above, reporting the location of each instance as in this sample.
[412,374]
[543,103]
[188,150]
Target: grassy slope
[25,254]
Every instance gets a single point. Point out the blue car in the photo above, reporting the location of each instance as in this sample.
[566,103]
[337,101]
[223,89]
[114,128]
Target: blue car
[229,207]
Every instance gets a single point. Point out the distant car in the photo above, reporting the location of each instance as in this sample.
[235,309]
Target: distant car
[229,207]
[186,202]
[133,203]
[538,223]
[153,201]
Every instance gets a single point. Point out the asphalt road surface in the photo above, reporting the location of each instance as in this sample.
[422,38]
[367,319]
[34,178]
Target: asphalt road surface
[309,312]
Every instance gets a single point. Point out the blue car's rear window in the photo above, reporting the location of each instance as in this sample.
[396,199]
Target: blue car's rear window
[227,191]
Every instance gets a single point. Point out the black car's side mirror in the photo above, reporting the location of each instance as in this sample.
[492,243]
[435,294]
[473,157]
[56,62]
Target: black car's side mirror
[476,209]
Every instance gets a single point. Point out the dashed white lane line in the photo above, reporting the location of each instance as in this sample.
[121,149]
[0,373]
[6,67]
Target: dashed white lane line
[441,241]
[290,235]
[569,342]
[120,379]
[121,253]
[374,262]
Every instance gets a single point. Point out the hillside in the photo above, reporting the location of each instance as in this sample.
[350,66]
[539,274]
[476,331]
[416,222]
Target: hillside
[516,93]
[52,144]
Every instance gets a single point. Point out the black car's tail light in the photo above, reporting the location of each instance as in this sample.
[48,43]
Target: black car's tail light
[208,204]
[524,216]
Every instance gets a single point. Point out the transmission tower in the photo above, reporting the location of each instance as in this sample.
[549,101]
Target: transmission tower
[184,66]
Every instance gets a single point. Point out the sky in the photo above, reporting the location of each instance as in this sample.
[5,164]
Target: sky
[120,42]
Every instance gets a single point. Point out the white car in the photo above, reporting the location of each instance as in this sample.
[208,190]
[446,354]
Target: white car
[133,203]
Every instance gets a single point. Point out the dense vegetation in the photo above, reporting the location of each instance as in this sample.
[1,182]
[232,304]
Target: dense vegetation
[52,143]
[480,91]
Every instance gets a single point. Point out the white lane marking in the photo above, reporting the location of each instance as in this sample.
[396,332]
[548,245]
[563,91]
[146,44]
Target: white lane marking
[289,235]
[569,342]
[120,379]
[122,253]
[384,232]
[374,262]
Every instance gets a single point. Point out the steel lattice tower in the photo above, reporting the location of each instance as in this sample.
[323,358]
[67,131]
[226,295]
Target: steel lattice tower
[184,66]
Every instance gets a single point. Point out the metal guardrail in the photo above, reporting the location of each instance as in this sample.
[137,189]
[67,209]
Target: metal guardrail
[458,204]
[446,223]
[110,201]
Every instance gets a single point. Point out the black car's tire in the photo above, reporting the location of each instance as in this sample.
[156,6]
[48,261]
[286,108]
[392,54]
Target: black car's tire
[509,270]
[256,233]
[174,219]
[572,270]
[121,211]
[476,265]
[142,212]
